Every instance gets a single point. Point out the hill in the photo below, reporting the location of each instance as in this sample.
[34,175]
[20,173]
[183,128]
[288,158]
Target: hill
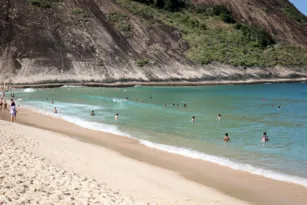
[163,40]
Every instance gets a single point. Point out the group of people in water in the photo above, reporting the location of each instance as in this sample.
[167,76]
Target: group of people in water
[13,113]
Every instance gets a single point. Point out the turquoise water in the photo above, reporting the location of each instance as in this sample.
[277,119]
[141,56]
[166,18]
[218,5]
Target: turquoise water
[244,116]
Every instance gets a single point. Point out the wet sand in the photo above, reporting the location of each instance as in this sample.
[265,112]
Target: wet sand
[237,184]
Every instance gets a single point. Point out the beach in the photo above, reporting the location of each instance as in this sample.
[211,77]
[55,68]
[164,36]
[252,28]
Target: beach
[132,170]
[44,167]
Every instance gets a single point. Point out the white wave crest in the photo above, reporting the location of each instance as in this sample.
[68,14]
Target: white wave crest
[29,90]
[227,163]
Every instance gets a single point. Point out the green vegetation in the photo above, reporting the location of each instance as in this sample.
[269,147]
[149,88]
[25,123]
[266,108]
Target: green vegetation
[81,13]
[292,13]
[170,5]
[120,21]
[255,34]
[210,39]
[42,3]
[142,62]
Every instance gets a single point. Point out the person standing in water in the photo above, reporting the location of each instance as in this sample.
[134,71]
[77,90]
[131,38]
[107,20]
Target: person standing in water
[193,119]
[116,116]
[92,113]
[55,111]
[219,116]
[13,111]
[265,137]
[226,138]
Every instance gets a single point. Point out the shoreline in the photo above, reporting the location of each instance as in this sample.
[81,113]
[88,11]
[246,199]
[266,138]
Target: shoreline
[160,83]
[231,182]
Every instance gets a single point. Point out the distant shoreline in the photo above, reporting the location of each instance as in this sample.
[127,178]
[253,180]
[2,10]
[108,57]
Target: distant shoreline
[159,83]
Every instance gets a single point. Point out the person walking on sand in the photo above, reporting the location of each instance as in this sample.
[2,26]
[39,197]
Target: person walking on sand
[55,111]
[116,116]
[226,138]
[13,111]
[1,102]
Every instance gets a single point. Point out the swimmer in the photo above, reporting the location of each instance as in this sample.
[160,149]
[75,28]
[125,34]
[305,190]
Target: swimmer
[150,97]
[193,119]
[226,138]
[51,101]
[219,116]
[92,113]
[126,98]
[278,108]
[55,111]
[173,104]
[263,100]
[177,105]
[185,105]
[116,116]
[265,137]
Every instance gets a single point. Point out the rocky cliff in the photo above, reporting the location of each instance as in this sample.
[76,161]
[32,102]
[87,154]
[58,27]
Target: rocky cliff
[107,41]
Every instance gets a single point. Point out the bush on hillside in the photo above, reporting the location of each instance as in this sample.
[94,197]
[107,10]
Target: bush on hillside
[170,5]
[41,3]
[120,21]
[258,35]
[142,62]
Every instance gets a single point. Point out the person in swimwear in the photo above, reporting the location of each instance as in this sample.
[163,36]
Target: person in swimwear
[116,116]
[193,119]
[219,116]
[1,102]
[55,111]
[13,111]
[92,113]
[226,138]
[265,137]
[5,105]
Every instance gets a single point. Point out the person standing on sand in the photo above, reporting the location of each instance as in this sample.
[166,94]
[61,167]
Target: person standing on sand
[1,102]
[5,105]
[13,111]
[226,138]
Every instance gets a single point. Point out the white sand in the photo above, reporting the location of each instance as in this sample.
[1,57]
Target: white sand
[42,167]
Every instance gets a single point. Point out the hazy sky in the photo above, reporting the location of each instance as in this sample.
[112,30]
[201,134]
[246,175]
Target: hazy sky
[301,5]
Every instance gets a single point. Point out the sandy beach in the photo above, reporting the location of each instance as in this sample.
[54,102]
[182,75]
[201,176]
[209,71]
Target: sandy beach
[109,169]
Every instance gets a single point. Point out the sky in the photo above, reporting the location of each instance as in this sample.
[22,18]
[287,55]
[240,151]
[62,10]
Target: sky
[301,5]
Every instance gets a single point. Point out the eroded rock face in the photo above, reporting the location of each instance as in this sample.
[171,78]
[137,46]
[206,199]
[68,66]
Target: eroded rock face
[54,45]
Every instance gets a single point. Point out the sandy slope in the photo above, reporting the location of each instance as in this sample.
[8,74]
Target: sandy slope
[43,167]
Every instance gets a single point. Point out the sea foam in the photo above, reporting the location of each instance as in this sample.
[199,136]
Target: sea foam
[29,90]
[227,163]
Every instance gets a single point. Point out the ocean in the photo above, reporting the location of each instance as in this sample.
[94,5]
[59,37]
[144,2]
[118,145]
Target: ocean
[158,118]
